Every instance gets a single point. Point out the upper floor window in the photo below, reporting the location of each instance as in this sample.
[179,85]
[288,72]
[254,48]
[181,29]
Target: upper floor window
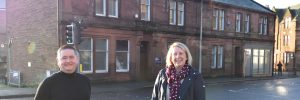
[247,23]
[101,7]
[286,40]
[238,22]
[218,21]
[217,57]
[145,10]
[263,25]
[287,22]
[176,13]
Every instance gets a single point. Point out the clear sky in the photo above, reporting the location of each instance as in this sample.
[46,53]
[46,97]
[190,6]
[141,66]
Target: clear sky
[278,3]
[2,3]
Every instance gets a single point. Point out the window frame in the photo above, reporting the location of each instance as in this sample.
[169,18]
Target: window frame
[217,57]
[180,12]
[116,4]
[106,58]
[128,58]
[238,21]
[106,9]
[247,23]
[92,62]
[219,18]
[147,11]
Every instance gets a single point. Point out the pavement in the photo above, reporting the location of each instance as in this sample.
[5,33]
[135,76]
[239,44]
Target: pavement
[15,92]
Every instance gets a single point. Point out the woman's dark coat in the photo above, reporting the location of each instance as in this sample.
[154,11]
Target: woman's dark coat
[192,87]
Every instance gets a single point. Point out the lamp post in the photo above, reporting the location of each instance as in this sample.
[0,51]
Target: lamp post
[200,40]
[9,58]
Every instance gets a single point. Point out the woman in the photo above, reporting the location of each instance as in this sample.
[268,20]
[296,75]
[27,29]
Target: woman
[178,81]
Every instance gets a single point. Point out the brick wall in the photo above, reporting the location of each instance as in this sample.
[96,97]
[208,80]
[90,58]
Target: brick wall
[33,26]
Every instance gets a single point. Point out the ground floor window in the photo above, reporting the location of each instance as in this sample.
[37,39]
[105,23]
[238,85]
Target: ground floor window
[122,55]
[217,57]
[287,57]
[93,55]
[260,61]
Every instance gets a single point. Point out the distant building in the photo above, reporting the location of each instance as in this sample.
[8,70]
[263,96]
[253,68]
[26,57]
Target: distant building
[238,38]
[3,43]
[121,41]
[287,39]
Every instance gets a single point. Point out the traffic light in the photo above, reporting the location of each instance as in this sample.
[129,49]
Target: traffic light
[70,34]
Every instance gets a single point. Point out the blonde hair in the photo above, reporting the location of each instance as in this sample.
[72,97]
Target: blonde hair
[182,46]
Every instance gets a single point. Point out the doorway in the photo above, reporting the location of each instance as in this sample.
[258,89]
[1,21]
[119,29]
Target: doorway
[144,69]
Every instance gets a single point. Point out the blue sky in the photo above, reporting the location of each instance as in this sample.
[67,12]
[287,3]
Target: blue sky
[2,3]
[278,3]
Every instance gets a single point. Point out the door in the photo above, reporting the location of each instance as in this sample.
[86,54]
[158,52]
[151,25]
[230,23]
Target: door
[144,69]
[238,62]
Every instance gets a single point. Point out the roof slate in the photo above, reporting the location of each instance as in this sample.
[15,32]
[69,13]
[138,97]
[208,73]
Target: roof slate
[249,4]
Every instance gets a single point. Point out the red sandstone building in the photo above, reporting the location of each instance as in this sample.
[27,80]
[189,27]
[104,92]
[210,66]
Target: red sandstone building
[128,40]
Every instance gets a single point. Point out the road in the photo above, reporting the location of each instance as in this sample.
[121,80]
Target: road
[280,89]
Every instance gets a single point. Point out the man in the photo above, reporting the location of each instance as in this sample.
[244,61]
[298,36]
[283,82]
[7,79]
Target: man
[279,69]
[65,84]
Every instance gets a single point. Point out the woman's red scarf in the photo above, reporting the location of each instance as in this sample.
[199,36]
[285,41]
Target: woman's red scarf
[174,80]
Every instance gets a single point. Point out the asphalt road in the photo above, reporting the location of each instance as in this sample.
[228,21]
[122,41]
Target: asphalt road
[280,89]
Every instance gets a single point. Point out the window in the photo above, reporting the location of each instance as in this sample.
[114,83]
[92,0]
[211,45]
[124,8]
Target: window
[286,40]
[101,55]
[172,12]
[145,10]
[218,22]
[238,22]
[261,58]
[102,5]
[287,22]
[263,21]
[287,57]
[176,18]
[247,23]
[217,57]
[93,60]
[122,56]
[85,50]
[113,8]
[180,13]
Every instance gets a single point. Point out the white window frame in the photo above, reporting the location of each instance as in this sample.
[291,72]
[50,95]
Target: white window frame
[221,19]
[172,12]
[265,25]
[147,12]
[92,63]
[238,22]
[180,13]
[103,8]
[116,9]
[216,19]
[106,59]
[217,57]
[261,25]
[247,23]
[128,60]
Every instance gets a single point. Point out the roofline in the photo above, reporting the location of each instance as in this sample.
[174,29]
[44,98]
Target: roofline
[262,6]
[271,12]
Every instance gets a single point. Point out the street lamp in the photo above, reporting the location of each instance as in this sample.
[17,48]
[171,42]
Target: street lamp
[8,69]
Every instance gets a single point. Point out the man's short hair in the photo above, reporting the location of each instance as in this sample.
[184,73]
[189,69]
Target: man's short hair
[66,46]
